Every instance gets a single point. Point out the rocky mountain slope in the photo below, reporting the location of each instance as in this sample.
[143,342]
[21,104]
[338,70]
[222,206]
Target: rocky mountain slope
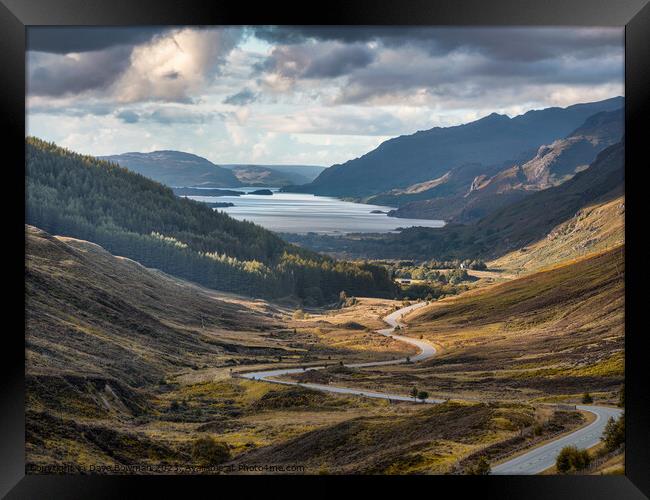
[506,229]
[552,165]
[426,155]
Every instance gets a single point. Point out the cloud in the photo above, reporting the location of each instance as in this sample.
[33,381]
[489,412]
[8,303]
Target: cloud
[511,43]
[392,64]
[176,66]
[167,115]
[64,40]
[407,74]
[59,75]
[241,98]
[322,60]
[173,66]
[128,116]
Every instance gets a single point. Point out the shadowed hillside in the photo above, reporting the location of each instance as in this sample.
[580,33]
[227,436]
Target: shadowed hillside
[131,216]
[428,154]
[110,317]
[509,228]
[103,337]
[472,198]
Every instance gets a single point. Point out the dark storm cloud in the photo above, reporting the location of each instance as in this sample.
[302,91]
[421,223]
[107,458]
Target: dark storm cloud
[458,61]
[518,43]
[339,61]
[325,60]
[245,96]
[474,77]
[63,40]
[54,75]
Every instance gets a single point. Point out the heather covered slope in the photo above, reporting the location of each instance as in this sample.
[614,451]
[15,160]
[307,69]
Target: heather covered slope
[103,337]
[550,335]
[592,229]
[429,154]
[557,331]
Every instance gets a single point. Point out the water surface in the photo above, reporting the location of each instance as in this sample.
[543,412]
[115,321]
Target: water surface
[304,213]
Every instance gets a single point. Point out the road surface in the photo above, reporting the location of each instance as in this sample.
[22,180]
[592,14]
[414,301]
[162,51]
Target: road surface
[393,319]
[539,459]
[532,462]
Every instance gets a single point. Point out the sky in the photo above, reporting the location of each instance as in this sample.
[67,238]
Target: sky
[299,95]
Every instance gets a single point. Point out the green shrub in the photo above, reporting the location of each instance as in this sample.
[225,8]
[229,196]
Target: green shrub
[614,433]
[299,314]
[207,451]
[481,468]
[572,459]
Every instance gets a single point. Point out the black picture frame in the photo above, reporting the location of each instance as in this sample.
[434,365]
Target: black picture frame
[15,15]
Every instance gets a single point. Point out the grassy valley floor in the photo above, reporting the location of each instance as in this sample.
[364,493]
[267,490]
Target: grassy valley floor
[130,370]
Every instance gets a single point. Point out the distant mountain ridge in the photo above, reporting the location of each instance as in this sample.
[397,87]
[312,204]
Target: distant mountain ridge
[176,168]
[493,140]
[509,228]
[274,175]
[467,201]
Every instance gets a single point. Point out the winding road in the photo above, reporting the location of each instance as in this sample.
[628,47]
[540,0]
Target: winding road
[531,462]
[539,459]
[426,351]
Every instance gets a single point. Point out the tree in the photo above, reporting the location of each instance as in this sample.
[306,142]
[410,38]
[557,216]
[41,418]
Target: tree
[414,393]
[614,433]
[423,395]
[621,397]
[207,451]
[298,314]
[481,468]
[587,399]
[571,459]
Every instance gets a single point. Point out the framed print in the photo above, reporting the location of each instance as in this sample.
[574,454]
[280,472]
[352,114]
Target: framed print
[364,243]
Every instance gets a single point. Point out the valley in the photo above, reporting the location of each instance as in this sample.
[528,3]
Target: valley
[196,329]
[162,397]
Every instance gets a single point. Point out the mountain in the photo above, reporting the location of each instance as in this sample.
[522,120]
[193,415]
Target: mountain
[427,155]
[83,197]
[274,175]
[176,168]
[468,200]
[506,229]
